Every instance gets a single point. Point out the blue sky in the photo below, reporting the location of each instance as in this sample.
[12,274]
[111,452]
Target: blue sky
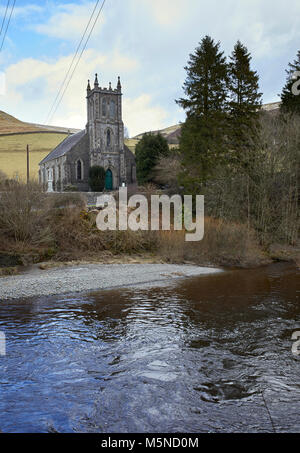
[146,42]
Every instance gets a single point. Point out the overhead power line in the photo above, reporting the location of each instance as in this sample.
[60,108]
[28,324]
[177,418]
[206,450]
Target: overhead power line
[73,60]
[8,22]
[4,17]
[78,60]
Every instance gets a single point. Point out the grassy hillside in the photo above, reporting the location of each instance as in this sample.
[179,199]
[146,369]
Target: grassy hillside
[171,134]
[13,152]
[13,161]
[13,147]
[164,132]
[10,124]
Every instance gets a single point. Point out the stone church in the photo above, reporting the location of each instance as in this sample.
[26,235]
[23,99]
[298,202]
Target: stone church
[101,143]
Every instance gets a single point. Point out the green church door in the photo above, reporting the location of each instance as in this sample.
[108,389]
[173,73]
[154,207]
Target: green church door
[108,180]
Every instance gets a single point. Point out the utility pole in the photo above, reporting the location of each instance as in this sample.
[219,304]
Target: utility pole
[28,164]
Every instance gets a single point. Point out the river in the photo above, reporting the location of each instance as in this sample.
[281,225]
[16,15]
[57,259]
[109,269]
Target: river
[205,354]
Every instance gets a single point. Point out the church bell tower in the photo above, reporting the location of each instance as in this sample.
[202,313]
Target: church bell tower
[106,131]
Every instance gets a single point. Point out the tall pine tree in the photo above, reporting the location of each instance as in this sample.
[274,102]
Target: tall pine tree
[291,101]
[202,136]
[244,101]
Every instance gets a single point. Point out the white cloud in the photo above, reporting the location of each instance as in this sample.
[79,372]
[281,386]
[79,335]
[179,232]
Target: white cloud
[75,121]
[70,21]
[140,115]
[147,43]
[266,27]
[167,12]
[32,94]
[20,11]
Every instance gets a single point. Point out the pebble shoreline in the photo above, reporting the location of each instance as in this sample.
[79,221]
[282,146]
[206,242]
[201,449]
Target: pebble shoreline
[93,277]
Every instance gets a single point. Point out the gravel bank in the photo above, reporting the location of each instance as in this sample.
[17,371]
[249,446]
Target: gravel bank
[92,277]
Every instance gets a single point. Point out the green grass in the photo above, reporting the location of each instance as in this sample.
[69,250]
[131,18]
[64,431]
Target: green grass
[13,152]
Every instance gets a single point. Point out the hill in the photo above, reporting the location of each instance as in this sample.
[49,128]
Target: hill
[10,125]
[15,135]
[171,133]
[13,152]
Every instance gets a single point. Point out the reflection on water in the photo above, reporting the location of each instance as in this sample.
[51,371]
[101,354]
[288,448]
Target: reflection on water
[194,357]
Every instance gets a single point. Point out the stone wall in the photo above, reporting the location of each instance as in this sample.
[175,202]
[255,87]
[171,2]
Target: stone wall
[79,152]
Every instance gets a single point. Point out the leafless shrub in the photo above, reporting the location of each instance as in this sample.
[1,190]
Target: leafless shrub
[23,215]
[64,200]
[224,243]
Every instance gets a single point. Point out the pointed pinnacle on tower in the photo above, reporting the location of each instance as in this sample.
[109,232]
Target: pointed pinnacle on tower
[110,86]
[119,86]
[96,81]
[89,86]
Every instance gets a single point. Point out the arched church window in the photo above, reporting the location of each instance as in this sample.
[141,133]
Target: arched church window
[104,107]
[108,138]
[112,109]
[79,170]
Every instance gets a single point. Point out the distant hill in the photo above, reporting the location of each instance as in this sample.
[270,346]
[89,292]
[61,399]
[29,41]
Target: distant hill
[11,125]
[173,133]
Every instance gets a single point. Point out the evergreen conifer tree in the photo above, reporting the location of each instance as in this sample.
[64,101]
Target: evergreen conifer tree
[205,104]
[291,100]
[244,101]
[147,153]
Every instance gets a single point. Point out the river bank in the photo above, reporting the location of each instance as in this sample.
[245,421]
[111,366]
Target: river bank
[54,231]
[92,277]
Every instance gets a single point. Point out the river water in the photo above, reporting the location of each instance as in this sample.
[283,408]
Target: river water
[207,354]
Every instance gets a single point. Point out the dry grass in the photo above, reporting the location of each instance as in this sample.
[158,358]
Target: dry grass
[10,124]
[21,216]
[13,159]
[224,244]
[8,271]
[30,221]
[35,228]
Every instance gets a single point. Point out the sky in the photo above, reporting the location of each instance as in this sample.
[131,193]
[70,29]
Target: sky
[145,42]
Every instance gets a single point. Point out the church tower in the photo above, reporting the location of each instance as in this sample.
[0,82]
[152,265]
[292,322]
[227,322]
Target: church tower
[106,131]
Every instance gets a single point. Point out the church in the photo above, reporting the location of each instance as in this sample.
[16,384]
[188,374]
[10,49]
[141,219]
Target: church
[101,144]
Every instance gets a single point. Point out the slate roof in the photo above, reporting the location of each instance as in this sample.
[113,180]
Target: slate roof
[64,147]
